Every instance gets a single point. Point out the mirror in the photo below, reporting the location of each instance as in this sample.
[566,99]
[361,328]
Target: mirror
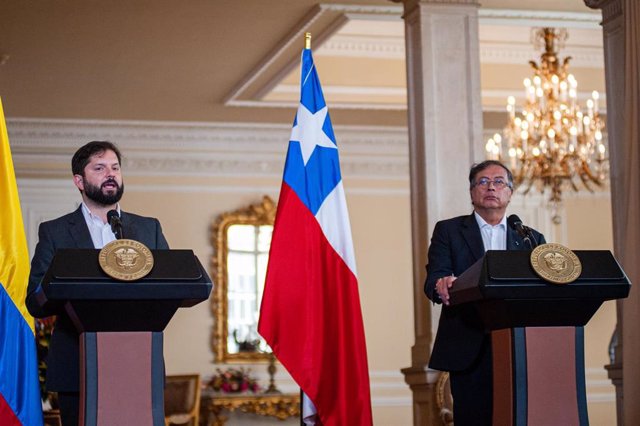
[241,241]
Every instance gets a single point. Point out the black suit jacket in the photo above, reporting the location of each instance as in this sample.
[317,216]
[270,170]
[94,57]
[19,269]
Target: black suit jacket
[71,231]
[456,244]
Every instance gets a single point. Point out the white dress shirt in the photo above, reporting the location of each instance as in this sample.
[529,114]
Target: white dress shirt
[494,237]
[101,233]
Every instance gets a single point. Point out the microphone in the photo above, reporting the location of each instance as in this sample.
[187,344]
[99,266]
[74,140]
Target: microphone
[116,224]
[525,233]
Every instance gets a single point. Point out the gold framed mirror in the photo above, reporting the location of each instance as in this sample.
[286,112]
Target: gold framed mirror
[241,241]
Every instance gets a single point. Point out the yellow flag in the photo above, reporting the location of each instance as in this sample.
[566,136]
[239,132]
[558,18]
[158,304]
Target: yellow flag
[14,255]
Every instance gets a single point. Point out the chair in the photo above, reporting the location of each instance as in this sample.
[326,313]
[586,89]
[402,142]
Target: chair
[444,400]
[52,418]
[182,400]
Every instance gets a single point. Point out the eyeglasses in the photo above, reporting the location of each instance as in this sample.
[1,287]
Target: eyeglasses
[498,183]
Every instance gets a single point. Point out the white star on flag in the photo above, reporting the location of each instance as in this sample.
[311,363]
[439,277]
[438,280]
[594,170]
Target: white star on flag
[308,131]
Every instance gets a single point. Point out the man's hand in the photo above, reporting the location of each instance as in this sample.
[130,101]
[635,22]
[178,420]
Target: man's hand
[442,288]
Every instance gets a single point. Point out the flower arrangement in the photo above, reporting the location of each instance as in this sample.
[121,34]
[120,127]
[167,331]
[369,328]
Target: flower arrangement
[233,380]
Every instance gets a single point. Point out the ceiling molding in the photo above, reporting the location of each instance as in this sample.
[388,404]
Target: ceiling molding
[539,18]
[322,21]
[362,46]
[325,21]
[519,54]
[44,147]
[367,11]
[490,52]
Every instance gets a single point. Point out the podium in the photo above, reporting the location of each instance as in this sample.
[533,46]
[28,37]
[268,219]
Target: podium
[536,332]
[120,325]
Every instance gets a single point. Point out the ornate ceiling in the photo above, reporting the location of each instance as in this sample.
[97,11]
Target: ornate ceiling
[226,61]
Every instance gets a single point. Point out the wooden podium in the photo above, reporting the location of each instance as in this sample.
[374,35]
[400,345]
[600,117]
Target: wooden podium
[536,331]
[120,326]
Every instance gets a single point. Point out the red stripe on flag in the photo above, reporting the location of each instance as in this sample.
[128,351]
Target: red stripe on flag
[7,416]
[311,316]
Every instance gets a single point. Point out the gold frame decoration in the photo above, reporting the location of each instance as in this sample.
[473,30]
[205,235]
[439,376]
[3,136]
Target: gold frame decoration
[280,406]
[262,213]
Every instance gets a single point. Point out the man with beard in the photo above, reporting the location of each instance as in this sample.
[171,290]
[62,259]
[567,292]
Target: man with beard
[97,175]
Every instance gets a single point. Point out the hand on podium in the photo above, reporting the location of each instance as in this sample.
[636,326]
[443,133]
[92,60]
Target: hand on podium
[442,288]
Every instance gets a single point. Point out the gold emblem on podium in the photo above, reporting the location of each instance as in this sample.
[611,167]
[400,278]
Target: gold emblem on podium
[556,263]
[126,260]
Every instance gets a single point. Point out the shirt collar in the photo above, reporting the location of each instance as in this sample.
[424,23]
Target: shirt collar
[482,223]
[88,215]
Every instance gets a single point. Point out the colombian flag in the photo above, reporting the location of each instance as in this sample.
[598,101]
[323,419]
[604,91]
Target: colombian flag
[19,392]
[310,313]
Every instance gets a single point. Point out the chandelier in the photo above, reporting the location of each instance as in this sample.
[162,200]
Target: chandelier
[552,142]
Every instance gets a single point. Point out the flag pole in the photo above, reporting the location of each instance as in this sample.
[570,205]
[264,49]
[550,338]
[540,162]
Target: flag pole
[307,45]
[301,409]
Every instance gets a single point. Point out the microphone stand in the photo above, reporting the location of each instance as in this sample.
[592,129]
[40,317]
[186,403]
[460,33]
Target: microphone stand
[529,238]
[116,226]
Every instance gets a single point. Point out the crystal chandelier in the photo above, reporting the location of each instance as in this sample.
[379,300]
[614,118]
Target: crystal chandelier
[551,142]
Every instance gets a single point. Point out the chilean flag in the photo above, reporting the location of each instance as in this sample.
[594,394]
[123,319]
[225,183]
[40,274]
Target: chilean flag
[310,313]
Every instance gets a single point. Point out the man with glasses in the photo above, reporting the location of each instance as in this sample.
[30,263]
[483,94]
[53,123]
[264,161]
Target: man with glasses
[461,346]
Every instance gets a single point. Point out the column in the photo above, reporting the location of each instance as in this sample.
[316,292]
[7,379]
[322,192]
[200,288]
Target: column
[445,137]
[620,22]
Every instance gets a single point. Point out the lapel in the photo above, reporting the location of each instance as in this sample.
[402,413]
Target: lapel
[128,228]
[79,230]
[514,241]
[472,236]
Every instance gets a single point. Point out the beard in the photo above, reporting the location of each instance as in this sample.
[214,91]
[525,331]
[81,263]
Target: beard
[96,194]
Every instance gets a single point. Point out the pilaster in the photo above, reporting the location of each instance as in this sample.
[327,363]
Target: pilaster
[445,132]
[614,55]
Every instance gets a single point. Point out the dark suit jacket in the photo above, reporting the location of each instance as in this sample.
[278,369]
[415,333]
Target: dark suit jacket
[456,244]
[71,231]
